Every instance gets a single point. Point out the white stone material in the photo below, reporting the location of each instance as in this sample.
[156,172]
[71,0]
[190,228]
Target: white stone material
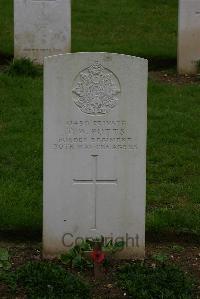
[189,36]
[41,28]
[95,120]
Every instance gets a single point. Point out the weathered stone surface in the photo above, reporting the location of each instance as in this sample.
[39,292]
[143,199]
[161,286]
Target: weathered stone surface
[41,28]
[189,36]
[94,150]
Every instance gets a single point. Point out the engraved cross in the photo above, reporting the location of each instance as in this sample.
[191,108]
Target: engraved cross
[95,181]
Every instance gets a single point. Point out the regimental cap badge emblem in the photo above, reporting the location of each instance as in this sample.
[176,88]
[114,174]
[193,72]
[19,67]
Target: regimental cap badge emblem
[96,90]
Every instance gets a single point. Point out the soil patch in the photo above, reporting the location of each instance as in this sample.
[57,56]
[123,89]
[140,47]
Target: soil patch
[174,78]
[187,256]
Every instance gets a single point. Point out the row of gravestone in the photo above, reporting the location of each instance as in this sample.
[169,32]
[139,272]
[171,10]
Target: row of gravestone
[43,28]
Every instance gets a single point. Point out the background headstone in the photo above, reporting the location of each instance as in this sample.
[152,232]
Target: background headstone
[41,28]
[95,122]
[189,36]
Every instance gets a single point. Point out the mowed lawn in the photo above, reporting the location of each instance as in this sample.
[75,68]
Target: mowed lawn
[141,28]
[137,27]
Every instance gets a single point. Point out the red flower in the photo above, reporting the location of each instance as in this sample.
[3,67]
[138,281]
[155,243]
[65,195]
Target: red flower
[98,256]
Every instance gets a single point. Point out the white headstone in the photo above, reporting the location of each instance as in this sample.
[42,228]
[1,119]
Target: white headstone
[189,36]
[41,28]
[95,118]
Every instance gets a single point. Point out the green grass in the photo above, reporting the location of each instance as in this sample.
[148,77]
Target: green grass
[20,152]
[173,158]
[42,280]
[140,27]
[142,281]
[137,27]
[172,168]
[23,67]
[6,28]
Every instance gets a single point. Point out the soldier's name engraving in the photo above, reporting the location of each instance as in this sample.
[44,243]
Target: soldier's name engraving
[93,134]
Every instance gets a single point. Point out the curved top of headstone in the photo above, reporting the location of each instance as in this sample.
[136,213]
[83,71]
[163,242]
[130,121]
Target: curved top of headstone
[105,54]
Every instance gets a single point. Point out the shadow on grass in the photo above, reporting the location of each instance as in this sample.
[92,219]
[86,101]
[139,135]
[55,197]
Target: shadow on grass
[5,59]
[21,235]
[155,63]
[161,63]
[162,237]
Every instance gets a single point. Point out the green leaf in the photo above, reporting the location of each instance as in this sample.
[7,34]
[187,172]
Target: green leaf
[160,257]
[65,259]
[119,245]
[4,256]
[6,265]
[109,244]
[178,248]
[77,262]
[85,246]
